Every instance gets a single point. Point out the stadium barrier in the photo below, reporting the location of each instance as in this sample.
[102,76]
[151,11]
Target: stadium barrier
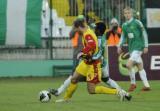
[151,62]
[24,68]
[60,70]
[30,68]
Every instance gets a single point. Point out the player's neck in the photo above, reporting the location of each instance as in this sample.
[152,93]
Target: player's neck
[130,20]
[85,29]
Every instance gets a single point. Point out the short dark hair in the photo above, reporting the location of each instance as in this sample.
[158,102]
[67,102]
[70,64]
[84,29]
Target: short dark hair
[100,28]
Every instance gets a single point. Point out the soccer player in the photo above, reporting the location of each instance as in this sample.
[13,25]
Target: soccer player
[99,30]
[89,67]
[102,53]
[134,34]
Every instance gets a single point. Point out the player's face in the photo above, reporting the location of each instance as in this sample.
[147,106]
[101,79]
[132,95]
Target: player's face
[128,14]
[81,29]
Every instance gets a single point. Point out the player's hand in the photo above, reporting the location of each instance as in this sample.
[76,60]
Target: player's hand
[119,50]
[145,50]
[79,55]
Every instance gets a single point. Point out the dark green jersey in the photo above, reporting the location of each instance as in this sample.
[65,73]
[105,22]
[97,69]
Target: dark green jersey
[134,34]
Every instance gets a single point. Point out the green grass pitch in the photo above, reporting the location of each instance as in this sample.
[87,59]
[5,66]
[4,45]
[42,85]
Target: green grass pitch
[21,94]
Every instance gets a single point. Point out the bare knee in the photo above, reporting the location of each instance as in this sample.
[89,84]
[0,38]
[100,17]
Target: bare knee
[140,66]
[129,65]
[75,78]
[91,88]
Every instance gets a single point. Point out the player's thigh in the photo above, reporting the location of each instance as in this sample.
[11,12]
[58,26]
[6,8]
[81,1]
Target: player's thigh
[130,64]
[76,77]
[140,66]
[91,87]
[94,73]
[82,68]
[135,56]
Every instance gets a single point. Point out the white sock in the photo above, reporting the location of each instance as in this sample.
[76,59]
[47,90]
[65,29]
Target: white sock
[113,83]
[132,76]
[64,85]
[143,77]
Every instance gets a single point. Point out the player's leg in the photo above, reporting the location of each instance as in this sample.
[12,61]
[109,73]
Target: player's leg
[62,88]
[130,65]
[80,71]
[72,86]
[93,89]
[107,80]
[143,75]
[66,83]
[94,77]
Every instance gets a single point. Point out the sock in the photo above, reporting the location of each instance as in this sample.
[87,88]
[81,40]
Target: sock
[132,76]
[113,83]
[64,85]
[143,77]
[70,90]
[105,90]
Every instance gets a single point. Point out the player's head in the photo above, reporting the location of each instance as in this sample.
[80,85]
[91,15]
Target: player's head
[80,25]
[100,28]
[81,18]
[128,13]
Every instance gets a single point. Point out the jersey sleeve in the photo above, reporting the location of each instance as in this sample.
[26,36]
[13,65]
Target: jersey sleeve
[90,45]
[144,33]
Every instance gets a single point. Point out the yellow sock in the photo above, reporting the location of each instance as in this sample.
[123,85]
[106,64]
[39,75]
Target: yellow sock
[70,90]
[105,90]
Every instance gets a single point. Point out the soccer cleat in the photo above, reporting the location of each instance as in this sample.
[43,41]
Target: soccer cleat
[128,97]
[146,89]
[61,100]
[53,92]
[121,95]
[132,88]
[124,95]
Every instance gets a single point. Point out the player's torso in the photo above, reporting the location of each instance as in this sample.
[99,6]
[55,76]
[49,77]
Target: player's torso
[91,34]
[133,32]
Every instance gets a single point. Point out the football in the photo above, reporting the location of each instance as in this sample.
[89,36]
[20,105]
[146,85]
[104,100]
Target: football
[44,96]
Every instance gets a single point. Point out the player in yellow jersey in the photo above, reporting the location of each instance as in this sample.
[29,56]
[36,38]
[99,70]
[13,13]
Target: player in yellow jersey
[88,67]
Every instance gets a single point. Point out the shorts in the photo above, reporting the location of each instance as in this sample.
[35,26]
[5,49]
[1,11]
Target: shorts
[92,72]
[136,56]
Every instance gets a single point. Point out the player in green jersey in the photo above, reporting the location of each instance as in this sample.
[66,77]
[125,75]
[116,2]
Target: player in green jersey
[134,34]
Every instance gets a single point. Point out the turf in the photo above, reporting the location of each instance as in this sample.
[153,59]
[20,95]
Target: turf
[21,94]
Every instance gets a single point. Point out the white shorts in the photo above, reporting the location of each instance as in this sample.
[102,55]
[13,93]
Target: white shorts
[136,56]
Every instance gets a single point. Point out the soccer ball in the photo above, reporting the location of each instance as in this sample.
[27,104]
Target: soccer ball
[44,96]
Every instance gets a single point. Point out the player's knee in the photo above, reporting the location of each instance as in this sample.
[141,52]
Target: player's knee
[74,80]
[129,66]
[91,91]
[105,79]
